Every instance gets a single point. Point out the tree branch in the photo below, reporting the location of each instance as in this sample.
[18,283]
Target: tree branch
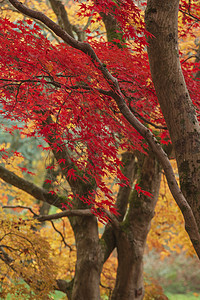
[30,188]
[60,233]
[112,219]
[189,14]
[21,206]
[129,170]
[66,213]
[62,285]
[84,47]
[145,120]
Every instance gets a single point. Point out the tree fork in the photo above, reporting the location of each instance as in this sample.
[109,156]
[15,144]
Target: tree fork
[131,239]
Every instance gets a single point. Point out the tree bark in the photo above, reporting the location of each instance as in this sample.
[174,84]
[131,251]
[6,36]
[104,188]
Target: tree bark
[89,259]
[162,21]
[131,239]
[62,16]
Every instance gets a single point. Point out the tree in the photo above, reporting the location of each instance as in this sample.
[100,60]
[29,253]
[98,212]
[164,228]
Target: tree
[85,108]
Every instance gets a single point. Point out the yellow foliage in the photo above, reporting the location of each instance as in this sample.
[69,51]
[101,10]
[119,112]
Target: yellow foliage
[167,228]
[153,291]
[8,11]
[25,254]
[108,275]
[12,164]
[64,256]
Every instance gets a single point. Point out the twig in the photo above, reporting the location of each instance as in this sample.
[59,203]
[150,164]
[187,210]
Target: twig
[192,56]
[21,206]
[60,233]
[145,120]
[189,14]
[66,213]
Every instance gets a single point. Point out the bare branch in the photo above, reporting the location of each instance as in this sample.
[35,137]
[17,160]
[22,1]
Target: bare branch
[60,233]
[20,206]
[189,14]
[192,56]
[66,213]
[30,188]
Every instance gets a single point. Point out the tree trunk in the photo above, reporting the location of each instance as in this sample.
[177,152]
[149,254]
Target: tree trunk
[89,259]
[162,21]
[131,239]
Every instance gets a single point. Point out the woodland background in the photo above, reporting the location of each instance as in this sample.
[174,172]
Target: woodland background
[47,248]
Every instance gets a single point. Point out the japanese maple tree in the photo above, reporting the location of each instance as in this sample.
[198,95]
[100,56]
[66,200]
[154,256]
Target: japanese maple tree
[88,101]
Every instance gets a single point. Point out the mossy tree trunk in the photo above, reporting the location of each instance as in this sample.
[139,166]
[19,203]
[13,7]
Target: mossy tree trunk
[131,238]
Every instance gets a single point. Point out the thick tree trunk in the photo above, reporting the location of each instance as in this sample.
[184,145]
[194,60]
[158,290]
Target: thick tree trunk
[89,259]
[131,239]
[162,21]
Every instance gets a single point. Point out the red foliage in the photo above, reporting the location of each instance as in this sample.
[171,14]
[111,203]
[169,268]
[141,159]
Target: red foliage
[141,191]
[126,12]
[190,17]
[61,92]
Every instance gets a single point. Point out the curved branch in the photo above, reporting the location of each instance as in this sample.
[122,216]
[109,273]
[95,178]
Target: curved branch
[30,188]
[62,237]
[84,47]
[145,120]
[21,206]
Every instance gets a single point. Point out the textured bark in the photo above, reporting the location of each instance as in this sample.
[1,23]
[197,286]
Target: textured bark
[130,168]
[162,21]
[89,259]
[62,16]
[131,239]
